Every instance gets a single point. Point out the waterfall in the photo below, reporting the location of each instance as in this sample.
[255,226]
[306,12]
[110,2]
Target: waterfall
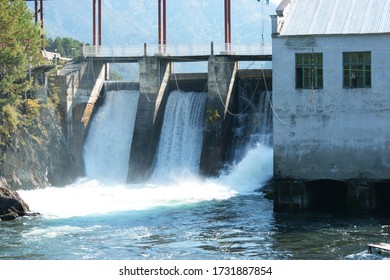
[252,126]
[108,143]
[181,136]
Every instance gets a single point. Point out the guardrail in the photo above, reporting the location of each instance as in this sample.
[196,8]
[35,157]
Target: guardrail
[178,50]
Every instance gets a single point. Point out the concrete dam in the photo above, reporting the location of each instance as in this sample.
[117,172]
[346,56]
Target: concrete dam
[220,112]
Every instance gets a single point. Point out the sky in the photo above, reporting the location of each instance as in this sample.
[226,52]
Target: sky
[127,22]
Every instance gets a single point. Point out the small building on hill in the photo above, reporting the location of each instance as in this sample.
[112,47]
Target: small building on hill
[331,96]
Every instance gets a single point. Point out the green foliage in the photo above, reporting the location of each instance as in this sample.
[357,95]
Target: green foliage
[115,76]
[19,49]
[9,120]
[67,47]
[19,46]
[212,116]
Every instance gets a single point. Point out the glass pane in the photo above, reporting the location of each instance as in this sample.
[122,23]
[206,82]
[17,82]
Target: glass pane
[298,77]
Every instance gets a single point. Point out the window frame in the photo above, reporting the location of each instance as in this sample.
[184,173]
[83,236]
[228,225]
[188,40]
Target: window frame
[309,70]
[357,69]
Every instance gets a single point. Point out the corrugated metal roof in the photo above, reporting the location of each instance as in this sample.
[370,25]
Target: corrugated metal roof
[325,17]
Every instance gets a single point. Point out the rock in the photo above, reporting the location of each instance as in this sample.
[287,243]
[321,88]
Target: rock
[12,205]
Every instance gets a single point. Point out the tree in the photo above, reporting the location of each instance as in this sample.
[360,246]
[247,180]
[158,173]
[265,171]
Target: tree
[19,48]
[67,47]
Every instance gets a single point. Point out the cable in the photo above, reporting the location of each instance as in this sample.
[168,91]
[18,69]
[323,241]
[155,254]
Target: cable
[269,99]
[220,96]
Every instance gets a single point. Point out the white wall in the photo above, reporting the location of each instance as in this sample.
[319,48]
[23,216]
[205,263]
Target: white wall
[333,133]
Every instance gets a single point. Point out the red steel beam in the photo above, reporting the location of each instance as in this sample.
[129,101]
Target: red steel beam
[230,23]
[165,22]
[42,37]
[159,23]
[100,23]
[228,38]
[41,14]
[225,20]
[162,22]
[94,22]
[36,11]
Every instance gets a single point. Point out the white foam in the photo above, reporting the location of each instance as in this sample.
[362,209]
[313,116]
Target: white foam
[107,147]
[92,197]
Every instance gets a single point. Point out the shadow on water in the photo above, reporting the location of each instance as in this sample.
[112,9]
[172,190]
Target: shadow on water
[321,236]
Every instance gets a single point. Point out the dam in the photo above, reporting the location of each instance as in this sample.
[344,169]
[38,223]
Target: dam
[233,98]
[237,101]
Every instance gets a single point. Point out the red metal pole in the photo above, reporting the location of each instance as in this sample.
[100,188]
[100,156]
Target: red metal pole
[100,23]
[94,22]
[165,23]
[36,11]
[159,22]
[229,23]
[41,14]
[42,39]
[228,38]
[225,18]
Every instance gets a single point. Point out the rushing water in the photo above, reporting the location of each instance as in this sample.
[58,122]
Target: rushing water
[186,217]
[181,135]
[108,144]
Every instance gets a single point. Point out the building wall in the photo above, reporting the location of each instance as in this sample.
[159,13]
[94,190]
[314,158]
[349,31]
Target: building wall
[333,133]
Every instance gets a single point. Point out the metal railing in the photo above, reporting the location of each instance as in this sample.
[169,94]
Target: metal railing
[178,50]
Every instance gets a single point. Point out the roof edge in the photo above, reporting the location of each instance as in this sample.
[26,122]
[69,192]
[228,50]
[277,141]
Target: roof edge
[282,6]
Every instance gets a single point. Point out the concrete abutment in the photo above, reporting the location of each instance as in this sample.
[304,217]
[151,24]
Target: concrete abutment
[80,85]
[221,77]
[153,76]
[348,197]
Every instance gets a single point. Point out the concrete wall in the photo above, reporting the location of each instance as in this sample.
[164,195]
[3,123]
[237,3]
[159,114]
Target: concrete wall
[80,86]
[221,76]
[333,133]
[153,75]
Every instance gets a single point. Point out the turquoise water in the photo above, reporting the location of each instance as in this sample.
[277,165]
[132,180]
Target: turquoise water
[177,216]
[240,227]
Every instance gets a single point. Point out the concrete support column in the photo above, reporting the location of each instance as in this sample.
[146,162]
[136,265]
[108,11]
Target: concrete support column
[221,76]
[290,196]
[221,71]
[360,197]
[80,89]
[151,73]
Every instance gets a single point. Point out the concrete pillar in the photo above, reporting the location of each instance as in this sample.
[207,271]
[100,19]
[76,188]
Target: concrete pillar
[80,88]
[360,197]
[221,76]
[152,71]
[290,196]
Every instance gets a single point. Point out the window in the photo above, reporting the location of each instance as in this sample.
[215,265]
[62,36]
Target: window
[309,71]
[357,69]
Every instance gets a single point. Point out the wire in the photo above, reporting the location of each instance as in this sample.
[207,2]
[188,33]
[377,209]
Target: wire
[269,99]
[220,96]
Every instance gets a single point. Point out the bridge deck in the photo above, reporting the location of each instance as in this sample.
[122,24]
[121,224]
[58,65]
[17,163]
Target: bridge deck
[180,53]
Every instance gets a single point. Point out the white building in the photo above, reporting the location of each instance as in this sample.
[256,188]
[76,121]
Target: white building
[331,95]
